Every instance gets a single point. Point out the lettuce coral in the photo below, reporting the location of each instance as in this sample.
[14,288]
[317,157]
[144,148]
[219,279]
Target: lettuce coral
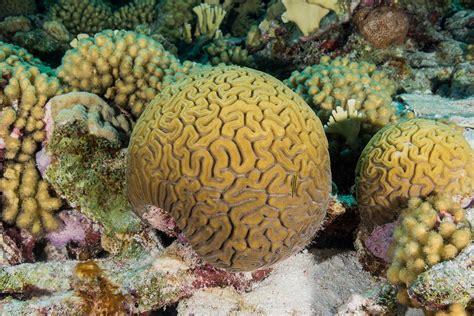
[27,198]
[126,68]
[239,160]
[413,158]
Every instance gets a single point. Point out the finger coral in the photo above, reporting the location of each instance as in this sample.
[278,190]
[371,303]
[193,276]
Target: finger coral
[428,231]
[80,16]
[135,13]
[240,162]
[28,201]
[126,68]
[333,83]
[221,51]
[413,158]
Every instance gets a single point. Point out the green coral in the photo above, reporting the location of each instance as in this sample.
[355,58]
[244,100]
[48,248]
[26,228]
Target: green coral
[13,7]
[173,17]
[222,50]
[89,163]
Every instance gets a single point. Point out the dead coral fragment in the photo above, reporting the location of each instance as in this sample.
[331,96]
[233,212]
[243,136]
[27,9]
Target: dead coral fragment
[382,26]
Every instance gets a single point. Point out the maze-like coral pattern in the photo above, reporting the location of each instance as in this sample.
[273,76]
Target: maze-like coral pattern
[239,160]
[410,159]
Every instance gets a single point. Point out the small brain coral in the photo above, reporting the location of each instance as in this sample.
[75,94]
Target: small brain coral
[428,231]
[25,87]
[333,83]
[410,159]
[382,26]
[123,67]
[240,162]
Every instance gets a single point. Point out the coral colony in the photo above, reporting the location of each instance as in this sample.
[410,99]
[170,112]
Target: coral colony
[251,157]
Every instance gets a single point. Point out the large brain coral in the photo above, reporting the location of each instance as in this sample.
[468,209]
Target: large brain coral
[410,159]
[239,160]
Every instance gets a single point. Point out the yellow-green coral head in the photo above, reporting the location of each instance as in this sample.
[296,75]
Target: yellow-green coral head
[410,159]
[239,160]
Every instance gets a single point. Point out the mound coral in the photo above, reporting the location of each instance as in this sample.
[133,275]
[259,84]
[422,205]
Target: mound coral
[27,199]
[124,67]
[240,162]
[80,16]
[85,141]
[12,7]
[428,231]
[382,26]
[413,158]
[332,83]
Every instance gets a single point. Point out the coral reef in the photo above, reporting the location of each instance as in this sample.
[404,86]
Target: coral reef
[173,16]
[27,198]
[94,180]
[209,19]
[332,83]
[261,187]
[12,7]
[126,68]
[427,232]
[410,159]
[382,26]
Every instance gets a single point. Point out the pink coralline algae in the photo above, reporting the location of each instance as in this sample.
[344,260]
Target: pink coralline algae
[379,241]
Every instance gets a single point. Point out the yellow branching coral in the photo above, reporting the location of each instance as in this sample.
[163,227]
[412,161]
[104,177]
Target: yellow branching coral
[307,14]
[82,16]
[123,67]
[209,19]
[428,231]
[135,13]
[333,82]
[239,160]
[27,198]
[413,158]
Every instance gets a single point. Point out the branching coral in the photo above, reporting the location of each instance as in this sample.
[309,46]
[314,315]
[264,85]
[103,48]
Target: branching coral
[346,123]
[240,162]
[413,158]
[428,231]
[81,16]
[209,19]
[126,68]
[28,201]
[222,51]
[135,13]
[333,82]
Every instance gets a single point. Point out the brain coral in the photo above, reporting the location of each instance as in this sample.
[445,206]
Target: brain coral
[239,160]
[333,82]
[123,67]
[410,159]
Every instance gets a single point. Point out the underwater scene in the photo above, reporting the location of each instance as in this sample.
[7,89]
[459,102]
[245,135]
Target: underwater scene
[237,157]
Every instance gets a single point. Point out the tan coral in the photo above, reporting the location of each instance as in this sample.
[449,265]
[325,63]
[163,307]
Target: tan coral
[240,162]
